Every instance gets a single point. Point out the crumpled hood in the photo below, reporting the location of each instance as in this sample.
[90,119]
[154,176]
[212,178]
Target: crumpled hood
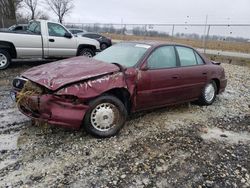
[57,74]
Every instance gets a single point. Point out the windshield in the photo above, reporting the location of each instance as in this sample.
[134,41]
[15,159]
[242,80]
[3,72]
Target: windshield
[126,54]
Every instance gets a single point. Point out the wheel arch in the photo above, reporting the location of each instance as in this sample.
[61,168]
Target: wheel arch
[9,47]
[123,95]
[217,82]
[82,46]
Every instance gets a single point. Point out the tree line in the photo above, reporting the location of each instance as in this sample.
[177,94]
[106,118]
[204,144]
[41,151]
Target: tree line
[19,11]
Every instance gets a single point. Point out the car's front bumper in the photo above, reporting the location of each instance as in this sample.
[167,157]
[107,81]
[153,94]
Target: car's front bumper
[54,110]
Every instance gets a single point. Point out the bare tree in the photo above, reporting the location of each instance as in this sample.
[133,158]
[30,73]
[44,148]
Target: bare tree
[8,12]
[42,15]
[60,7]
[31,5]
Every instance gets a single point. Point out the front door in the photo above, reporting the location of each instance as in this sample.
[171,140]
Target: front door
[159,84]
[59,45]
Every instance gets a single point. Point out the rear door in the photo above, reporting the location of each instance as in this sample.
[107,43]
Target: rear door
[193,72]
[159,84]
[59,45]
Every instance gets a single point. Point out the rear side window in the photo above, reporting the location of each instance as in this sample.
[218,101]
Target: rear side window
[186,56]
[56,30]
[35,27]
[163,57]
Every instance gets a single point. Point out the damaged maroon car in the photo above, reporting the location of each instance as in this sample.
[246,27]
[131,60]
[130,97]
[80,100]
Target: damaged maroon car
[99,93]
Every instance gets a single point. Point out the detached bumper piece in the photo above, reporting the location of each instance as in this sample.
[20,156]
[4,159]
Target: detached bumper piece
[54,110]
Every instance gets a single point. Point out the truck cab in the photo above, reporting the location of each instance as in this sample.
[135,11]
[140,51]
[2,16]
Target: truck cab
[44,40]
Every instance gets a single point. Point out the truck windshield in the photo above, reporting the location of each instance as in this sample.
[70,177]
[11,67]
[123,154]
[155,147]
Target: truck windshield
[34,27]
[126,54]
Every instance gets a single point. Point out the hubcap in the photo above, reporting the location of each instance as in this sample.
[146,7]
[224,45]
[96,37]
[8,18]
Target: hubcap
[103,46]
[87,54]
[3,60]
[209,92]
[103,116]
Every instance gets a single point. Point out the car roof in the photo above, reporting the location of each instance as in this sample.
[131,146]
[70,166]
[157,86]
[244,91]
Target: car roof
[156,43]
[91,33]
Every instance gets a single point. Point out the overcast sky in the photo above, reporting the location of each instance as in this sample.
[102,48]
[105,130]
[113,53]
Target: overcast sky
[160,11]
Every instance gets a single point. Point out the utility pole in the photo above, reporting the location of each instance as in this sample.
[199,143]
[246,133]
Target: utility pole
[204,36]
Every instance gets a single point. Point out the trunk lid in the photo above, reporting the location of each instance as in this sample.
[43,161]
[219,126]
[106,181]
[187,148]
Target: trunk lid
[60,73]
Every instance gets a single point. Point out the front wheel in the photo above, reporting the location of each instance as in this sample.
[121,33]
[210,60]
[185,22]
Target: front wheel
[106,116]
[5,59]
[103,46]
[87,52]
[208,94]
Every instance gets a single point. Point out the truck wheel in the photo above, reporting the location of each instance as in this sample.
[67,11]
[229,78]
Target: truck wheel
[86,52]
[5,59]
[105,117]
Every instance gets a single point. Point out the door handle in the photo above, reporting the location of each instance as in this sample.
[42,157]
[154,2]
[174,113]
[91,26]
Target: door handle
[175,77]
[52,40]
[204,73]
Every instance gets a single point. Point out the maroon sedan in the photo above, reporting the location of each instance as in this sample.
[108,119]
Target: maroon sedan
[99,93]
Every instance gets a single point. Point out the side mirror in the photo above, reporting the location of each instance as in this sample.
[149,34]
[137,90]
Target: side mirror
[68,35]
[144,67]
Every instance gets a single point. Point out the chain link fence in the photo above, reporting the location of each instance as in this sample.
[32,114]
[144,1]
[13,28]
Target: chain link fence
[217,39]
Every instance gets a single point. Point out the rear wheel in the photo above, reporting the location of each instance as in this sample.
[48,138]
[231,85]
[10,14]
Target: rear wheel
[87,52]
[106,116]
[5,59]
[208,94]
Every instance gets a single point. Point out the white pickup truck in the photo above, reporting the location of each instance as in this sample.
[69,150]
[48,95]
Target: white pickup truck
[43,40]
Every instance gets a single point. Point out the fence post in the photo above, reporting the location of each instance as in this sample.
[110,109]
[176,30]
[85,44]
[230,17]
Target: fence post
[206,38]
[173,30]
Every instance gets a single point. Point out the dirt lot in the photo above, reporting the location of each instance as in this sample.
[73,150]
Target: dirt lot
[179,146]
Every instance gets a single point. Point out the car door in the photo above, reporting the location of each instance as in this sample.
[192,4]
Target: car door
[158,84]
[29,44]
[193,72]
[59,45]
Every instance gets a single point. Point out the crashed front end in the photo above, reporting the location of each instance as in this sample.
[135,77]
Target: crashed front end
[65,106]
[37,102]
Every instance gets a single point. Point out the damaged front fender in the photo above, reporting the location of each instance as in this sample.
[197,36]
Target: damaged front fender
[95,87]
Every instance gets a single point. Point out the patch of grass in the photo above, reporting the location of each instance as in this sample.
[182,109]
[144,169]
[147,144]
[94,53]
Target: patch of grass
[211,44]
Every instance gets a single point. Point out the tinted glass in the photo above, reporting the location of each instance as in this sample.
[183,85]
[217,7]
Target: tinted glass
[96,36]
[126,54]
[186,55]
[87,35]
[56,30]
[199,59]
[72,31]
[163,57]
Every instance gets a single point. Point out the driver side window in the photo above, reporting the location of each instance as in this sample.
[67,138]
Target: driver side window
[56,30]
[163,57]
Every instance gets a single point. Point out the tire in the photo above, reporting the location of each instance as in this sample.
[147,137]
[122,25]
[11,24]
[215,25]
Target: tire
[103,46]
[208,94]
[5,59]
[86,52]
[105,117]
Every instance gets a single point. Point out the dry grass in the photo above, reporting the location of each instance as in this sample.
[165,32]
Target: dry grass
[215,45]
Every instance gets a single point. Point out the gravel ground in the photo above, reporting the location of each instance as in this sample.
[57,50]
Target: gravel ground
[178,146]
